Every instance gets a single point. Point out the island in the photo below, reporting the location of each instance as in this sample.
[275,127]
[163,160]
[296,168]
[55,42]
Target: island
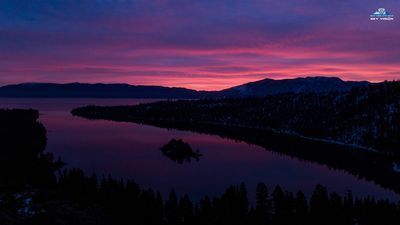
[179,151]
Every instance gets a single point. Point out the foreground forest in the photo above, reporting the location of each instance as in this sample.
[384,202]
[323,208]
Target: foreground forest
[368,117]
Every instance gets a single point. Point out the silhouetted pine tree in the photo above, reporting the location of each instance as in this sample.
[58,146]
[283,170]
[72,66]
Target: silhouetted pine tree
[262,212]
[172,209]
[319,205]
[186,210]
[205,212]
[278,200]
[301,208]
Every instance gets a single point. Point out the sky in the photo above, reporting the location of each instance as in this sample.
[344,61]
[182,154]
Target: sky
[198,44]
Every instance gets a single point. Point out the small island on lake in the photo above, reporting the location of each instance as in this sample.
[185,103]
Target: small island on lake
[179,151]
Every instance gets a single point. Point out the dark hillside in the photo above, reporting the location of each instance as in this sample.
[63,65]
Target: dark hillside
[366,116]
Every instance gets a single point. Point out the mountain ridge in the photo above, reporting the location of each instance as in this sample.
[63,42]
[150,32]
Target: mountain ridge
[258,88]
[297,85]
[97,90]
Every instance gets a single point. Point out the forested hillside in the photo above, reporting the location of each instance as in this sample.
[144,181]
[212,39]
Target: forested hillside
[366,116]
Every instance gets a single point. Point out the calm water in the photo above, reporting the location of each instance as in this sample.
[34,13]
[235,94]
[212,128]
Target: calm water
[130,150]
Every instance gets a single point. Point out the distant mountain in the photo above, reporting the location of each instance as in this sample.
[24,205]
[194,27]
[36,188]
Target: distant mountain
[79,90]
[254,89]
[298,85]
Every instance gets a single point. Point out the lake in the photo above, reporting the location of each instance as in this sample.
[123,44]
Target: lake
[132,151]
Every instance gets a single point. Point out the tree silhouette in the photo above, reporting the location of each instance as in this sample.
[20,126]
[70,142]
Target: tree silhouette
[263,208]
[319,205]
[172,209]
[301,208]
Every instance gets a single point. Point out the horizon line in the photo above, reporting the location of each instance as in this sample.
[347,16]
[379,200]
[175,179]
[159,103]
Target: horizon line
[167,86]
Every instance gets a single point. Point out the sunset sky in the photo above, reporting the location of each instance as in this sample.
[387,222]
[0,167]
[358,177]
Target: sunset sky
[200,44]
